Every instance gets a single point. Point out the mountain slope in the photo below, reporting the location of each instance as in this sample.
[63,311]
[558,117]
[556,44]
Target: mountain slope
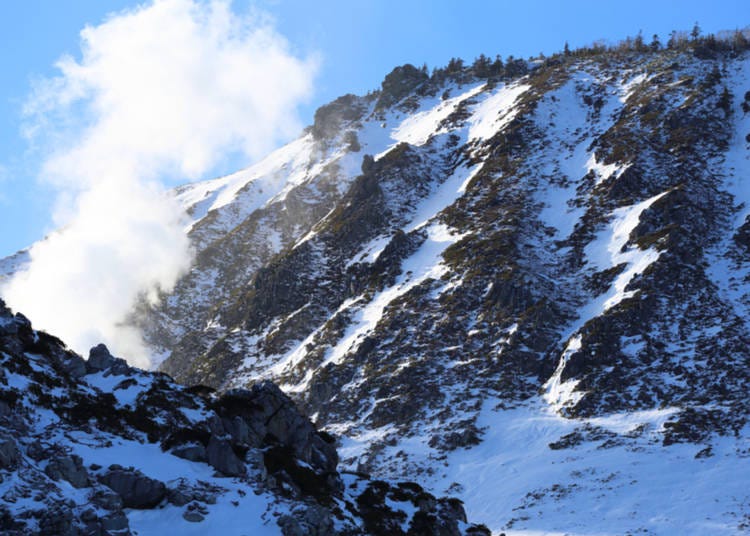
[98,447]
[534,270]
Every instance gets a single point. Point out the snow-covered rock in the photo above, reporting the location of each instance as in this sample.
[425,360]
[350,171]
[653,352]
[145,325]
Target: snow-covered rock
[106,453]
[528,287]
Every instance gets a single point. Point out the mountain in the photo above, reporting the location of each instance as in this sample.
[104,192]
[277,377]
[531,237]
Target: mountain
[97,447]
[522,283]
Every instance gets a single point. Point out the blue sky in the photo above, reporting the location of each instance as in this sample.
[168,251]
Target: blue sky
[356,42]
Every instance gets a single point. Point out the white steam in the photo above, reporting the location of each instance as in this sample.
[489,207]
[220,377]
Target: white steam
[168,89]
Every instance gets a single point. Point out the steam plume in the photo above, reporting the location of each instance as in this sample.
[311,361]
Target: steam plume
[165,90]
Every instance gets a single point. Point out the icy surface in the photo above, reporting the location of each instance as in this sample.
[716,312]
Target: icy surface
[559,394]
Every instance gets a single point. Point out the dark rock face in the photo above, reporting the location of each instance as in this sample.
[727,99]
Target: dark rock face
[220,456]
[544,279]
[69,468]
[99,359]
[256,436]
[193,517]
[57,521]
[194,452]
[524,272]
[399,83]
[330,118]
[107,499]
[314,522]
[75,366]
[433,516]
[270,414]
[115,523]
[136,489]
[10,456]
[287,471]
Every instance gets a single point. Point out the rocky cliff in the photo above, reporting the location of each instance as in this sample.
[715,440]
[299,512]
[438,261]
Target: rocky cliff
[536,270]
[97,447]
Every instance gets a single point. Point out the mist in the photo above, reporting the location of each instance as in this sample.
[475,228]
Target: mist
[161,94]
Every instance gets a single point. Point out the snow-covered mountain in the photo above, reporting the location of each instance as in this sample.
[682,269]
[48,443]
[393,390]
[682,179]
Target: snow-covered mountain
[97,447]
[524,284]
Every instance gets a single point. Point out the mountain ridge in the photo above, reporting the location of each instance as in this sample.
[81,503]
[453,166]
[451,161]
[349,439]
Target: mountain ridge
[456,256]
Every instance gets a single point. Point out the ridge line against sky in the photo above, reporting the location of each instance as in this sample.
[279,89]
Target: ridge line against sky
[357,44]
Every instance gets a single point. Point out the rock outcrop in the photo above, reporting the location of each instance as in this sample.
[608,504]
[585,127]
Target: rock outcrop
[434,266]
[185,450]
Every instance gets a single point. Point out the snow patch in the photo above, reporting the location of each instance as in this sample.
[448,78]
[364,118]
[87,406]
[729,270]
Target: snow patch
[417,128]
[569,124]
[608,250]
[515,483]
[495,111]
[425,264]
[559,394]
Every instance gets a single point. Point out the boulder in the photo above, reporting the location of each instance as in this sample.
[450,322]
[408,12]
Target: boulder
[119,367]
[115,523]
[315,520]
[107,499]
[136,489]
[70,469]
[271,415]
[195,512]
[193,517]
[178,497]
[241,433]
[75,366]
[89,515]
[194,452]
[221,457]
[21,320]
[58,520]
[10,456]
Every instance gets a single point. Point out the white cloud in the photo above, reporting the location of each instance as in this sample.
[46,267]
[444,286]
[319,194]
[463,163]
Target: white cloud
[166,90]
